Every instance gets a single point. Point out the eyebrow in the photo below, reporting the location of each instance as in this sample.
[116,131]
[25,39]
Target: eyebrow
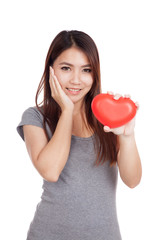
[69,64]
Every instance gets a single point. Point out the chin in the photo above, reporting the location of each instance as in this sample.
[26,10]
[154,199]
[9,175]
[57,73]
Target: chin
[76,100]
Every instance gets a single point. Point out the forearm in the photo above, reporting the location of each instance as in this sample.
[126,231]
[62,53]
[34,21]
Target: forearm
[129,161]
[53,157]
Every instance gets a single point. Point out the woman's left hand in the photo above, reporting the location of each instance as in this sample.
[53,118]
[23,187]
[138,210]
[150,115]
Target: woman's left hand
[128,128]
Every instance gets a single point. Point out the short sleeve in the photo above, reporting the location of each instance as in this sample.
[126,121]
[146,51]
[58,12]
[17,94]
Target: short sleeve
[30,116]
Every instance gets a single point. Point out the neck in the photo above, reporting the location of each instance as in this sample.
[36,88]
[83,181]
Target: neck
[79,109]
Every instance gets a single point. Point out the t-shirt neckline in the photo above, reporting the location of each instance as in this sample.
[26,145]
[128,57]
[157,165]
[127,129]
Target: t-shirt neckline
[83,138]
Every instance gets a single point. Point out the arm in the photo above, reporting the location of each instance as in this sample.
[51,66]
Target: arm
[129,161]
[50,158]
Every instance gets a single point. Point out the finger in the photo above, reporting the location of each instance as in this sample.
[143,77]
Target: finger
[57,84]
[51,71]
[50,77]
[110,93]
[127,96]
[118,130]
[137,105]
[117,96]
[106,129]
[55,80]
[52,83]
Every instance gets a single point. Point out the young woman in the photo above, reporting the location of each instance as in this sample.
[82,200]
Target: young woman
[77,157]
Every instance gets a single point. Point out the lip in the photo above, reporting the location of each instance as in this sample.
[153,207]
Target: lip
[74,88]
[74,92]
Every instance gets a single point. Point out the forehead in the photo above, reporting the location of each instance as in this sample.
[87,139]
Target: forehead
[74,56]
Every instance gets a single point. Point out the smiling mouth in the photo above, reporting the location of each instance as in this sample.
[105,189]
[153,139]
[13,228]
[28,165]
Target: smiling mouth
[74,89]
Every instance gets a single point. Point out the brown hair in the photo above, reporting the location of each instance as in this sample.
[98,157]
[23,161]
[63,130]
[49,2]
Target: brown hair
[106,144]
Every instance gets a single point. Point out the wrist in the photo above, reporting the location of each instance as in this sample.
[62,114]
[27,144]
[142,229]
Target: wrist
[123,138]
[68,111]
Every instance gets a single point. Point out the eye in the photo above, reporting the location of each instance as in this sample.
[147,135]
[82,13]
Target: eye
[88,70]
[65,68]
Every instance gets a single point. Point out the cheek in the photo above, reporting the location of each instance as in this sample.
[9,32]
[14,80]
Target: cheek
[62,78]
[88,81]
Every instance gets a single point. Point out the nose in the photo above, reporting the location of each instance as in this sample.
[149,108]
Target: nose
[75,78]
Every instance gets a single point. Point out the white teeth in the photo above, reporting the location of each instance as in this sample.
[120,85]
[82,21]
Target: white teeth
[74,90]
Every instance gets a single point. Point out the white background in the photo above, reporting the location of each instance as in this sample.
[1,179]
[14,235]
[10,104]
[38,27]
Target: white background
[127,34]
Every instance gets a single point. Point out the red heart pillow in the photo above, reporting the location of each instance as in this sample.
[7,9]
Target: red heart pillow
[113,113]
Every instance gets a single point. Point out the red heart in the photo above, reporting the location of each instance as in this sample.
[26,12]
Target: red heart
[113,113]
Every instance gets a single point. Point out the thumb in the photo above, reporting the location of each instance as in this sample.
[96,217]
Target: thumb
[106,129]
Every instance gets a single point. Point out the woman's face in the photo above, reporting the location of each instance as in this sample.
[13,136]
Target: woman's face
[74,73]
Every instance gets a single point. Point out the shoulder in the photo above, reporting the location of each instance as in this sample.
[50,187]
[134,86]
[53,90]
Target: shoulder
[33,111]
[31,116]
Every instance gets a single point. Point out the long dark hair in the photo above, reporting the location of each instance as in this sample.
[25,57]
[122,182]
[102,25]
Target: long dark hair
[106,144]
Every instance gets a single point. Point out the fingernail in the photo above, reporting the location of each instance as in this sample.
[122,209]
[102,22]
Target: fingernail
[127,96]
[106,128]
[110,93]
[116,98]
[51,69]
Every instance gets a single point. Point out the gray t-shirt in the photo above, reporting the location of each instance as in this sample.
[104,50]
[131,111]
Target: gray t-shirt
[81,205]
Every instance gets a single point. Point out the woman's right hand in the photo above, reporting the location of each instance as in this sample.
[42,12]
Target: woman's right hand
[58,94]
